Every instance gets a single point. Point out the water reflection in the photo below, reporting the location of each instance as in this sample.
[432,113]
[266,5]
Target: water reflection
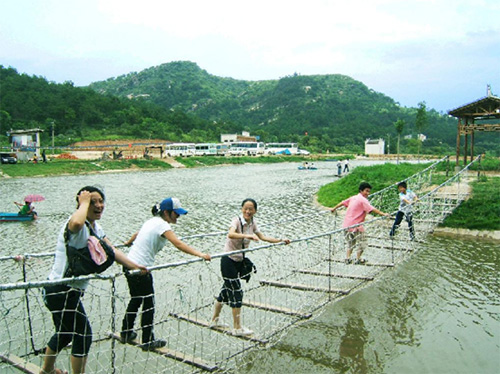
[352,345]
[436,313]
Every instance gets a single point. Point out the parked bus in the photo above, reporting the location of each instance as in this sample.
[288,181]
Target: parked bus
[205,149]
[282,148]
[247,148]
[222,149]
[180,149]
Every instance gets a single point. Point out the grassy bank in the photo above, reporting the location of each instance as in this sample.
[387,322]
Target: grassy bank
[379,176]
[212,161]
[62,167]
[69,166]
[480,212]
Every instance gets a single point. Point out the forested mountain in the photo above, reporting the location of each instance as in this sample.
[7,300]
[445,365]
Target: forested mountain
[179,101]
[337,112]
[83,114]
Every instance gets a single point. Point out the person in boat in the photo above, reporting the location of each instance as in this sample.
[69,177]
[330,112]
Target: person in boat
[145,244]
[26,209]
[406,200]
[243,229]
[65,300]
[358,207]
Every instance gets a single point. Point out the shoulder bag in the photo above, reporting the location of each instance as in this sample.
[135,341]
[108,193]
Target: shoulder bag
[96,257]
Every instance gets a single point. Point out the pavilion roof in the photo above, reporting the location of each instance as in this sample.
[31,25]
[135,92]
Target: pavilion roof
[487,107]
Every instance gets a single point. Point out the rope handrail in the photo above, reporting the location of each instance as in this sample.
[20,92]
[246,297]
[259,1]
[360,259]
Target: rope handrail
[410,177]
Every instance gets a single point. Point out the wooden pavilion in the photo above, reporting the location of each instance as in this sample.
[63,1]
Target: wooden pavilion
[481,115]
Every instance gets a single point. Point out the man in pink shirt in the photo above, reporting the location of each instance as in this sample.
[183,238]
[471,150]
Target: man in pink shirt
[358,207]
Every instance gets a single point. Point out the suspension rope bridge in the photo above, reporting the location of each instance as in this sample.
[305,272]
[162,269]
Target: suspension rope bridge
[293,282]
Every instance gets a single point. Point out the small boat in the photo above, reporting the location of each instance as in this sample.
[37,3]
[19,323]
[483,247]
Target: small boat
[13,217]
[307,168]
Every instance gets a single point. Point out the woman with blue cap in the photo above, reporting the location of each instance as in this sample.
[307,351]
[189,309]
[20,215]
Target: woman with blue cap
[146,243]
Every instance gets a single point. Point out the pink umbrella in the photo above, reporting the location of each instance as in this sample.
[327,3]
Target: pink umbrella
[33,198]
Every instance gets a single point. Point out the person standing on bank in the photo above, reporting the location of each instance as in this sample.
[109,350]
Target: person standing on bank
[346,166]
[407,198]
[146,243]
[243,229]
[358,207]
[64,300]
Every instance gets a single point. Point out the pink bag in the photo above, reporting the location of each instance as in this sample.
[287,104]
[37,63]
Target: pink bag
[97,252]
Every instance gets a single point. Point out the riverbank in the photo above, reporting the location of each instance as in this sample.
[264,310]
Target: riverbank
[466,233]
[71,164]
[477,216]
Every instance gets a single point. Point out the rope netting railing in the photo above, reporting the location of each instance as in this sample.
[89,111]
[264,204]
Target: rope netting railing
[292,283]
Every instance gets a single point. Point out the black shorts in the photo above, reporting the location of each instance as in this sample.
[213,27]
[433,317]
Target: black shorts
[231,292]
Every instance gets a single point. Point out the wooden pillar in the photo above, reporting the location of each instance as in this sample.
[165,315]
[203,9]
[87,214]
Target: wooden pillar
[472,145]
[465,147]
[458,140]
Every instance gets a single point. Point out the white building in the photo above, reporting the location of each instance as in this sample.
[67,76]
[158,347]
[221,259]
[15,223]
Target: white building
[231,138]
[25,143]
[374,146]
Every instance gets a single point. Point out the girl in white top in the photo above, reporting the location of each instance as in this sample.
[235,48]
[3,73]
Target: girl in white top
[64,300]
[146,243]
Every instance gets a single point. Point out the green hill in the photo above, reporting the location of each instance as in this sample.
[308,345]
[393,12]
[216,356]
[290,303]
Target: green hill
[336,111]
[80,113]
[179,101]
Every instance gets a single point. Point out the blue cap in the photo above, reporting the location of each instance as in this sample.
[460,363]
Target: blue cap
[171,203]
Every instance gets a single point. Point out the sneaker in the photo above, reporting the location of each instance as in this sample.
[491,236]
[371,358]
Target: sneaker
[127,337]
[152,345]
[348,261]
[360,261]
[243,331]
[216,323]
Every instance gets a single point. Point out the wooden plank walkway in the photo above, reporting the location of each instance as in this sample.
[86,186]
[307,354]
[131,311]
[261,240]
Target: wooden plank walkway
[170,353]
[388,247]
[326,274]
[303,287]
[277,309]
[224,330]
[388,265]
[19,363]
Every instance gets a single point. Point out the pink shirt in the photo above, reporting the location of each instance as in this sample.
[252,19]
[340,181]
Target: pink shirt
[237,244]
[357,208]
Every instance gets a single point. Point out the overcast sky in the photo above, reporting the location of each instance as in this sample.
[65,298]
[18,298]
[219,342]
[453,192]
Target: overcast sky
[443,52]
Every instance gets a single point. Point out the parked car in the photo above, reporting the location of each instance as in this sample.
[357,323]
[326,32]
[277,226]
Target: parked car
[8,158]
[303,152]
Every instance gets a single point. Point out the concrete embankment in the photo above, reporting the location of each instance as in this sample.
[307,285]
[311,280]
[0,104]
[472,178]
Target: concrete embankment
[481,234]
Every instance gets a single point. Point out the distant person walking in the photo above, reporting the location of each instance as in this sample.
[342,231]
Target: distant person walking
[346,166]
[339,168]
[146,243]
[358,207]
[406,200]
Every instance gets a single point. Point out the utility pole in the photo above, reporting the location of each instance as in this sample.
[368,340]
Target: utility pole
[52,134]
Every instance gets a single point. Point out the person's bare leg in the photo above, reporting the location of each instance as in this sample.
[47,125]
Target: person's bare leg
[78,364]
[49,363]
[236,318]
[217,310]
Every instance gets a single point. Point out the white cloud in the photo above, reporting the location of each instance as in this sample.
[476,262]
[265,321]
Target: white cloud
[381,42]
